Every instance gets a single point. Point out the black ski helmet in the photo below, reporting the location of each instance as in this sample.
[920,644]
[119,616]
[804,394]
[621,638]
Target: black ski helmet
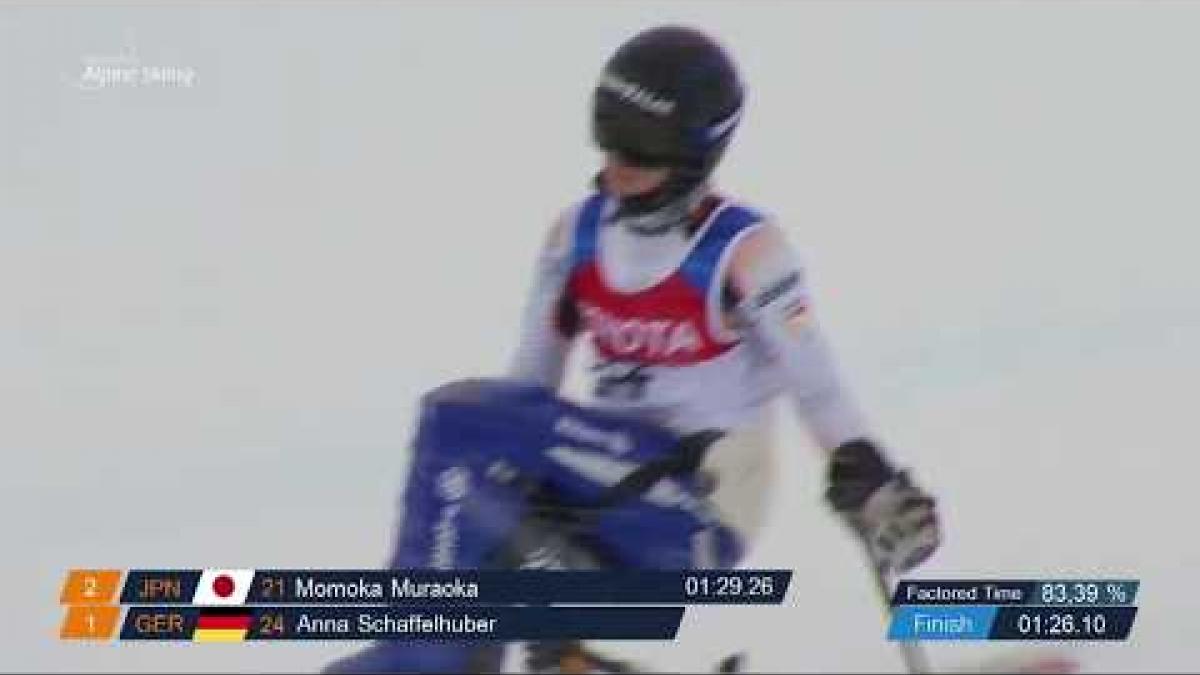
[668,97]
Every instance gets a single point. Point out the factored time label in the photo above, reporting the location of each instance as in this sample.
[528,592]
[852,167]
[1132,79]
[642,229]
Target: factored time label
[986,609]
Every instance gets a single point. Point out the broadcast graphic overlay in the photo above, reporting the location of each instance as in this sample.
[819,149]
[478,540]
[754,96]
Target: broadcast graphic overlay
[1032,610]
[233,605]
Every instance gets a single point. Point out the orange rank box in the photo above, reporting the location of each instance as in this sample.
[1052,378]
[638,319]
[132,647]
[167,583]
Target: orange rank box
[90,587]
[90,622]
[89,595]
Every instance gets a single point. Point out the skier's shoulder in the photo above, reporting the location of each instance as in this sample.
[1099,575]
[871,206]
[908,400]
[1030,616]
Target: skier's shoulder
[755,226]
[562,227]
[733,207]
[558,238]
[763,251]
[760,232]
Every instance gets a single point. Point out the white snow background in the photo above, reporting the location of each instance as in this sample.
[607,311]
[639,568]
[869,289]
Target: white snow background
[220,302]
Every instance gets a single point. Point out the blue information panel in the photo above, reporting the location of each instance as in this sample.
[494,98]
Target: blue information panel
[977,609]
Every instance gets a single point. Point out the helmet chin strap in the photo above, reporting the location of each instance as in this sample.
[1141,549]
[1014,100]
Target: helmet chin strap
[661,210]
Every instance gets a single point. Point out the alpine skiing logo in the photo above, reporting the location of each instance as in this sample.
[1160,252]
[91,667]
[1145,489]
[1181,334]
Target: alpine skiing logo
[637,95]
[127,70]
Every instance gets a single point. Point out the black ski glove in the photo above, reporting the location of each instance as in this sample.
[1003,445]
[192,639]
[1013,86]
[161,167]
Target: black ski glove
[894,517]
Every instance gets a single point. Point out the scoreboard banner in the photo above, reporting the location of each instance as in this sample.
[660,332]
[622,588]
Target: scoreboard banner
[225,605]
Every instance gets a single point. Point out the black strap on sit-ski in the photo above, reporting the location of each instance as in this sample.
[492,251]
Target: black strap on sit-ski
[685,458]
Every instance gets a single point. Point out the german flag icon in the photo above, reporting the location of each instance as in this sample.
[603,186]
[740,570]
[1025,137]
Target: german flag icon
[222,625]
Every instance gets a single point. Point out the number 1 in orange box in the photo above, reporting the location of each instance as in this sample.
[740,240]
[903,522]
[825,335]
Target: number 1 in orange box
[90,622]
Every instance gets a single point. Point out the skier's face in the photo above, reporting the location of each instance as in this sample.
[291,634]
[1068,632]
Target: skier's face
[626,180]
